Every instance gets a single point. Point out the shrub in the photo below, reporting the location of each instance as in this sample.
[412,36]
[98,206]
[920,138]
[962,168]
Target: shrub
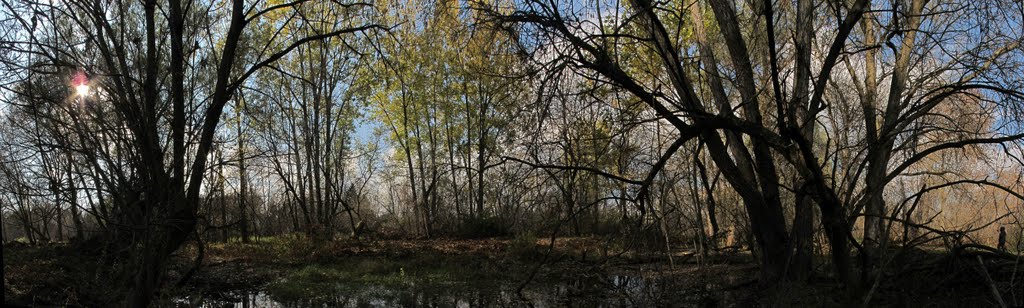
[482,227]
[524,245]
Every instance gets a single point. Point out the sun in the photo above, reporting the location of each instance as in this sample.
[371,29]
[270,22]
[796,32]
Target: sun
[82,90]
[81,83]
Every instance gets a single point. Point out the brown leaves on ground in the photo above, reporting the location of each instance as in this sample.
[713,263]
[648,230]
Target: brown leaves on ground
[301,249]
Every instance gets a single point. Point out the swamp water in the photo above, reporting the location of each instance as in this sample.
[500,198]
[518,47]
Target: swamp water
[608,291]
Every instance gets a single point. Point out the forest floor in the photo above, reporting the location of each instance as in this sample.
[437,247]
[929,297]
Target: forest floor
[453,272]
[502,272]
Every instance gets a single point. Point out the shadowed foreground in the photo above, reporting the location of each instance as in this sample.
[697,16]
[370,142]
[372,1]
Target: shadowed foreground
[579,272]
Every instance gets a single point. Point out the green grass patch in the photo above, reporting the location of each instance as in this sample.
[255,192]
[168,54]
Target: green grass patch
[352,275]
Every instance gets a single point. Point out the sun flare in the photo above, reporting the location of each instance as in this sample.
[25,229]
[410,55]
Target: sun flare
[82,90]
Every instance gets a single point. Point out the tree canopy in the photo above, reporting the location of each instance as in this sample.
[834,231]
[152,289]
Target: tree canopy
[790,128]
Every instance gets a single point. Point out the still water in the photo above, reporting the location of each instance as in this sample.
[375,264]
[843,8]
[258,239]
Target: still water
[612,291]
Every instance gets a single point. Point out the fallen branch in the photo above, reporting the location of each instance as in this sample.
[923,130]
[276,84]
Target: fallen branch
[991,284]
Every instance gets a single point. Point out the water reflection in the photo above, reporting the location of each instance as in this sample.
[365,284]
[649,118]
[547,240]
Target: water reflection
[613,291]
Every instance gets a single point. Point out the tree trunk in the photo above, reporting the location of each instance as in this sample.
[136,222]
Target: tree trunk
[803,238]
[480,159]
[160,242]
[243,179]
[76,217]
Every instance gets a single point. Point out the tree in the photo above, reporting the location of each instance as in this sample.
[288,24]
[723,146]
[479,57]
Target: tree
[450,87]
[158,191]
[313,88]
[755,124]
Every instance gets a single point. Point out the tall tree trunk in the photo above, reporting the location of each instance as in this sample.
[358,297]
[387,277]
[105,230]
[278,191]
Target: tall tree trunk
[481,161]
[803,220]
[709,195]
[76,217]
[803,237]
[243,179]
[456,192]
[880,149]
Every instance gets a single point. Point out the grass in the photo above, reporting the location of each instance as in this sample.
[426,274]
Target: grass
[269,249]
[423,273]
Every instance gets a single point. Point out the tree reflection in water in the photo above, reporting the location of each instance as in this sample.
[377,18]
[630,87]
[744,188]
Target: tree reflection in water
[611,291]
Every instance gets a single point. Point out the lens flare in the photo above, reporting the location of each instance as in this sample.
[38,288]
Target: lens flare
[81,83]
[82,89]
